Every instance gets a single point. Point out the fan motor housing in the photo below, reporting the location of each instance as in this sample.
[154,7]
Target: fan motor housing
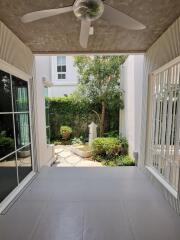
[88,9]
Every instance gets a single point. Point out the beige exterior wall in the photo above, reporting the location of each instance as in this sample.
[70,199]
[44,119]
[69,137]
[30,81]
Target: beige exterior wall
[165,49]
[17,57]
[14,52]
[46,151]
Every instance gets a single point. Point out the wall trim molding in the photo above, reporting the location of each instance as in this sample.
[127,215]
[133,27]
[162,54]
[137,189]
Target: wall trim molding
[6,67]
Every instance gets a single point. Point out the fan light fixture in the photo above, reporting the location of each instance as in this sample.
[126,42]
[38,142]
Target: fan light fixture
[88,11]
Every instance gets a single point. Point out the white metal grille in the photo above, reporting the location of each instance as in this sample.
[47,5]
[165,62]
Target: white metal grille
[164,122]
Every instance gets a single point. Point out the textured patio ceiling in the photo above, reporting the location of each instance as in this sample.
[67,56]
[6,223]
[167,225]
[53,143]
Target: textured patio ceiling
[60,34]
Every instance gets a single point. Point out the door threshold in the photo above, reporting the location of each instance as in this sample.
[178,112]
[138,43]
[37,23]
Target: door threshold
[9,201]
[163,181]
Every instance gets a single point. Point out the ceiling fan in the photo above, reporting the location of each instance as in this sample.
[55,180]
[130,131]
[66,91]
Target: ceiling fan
[88,11]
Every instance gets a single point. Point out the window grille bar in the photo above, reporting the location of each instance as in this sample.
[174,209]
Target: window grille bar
[164,118]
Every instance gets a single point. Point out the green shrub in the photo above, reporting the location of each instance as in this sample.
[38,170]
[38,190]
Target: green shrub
[65,132]
[98,158]
[112,134]
[110,163]
[78,115]
[109,147]
[57,143]
[67,111]
[124,145]
[6,145]
[124,161]
[123,141]
[77,140]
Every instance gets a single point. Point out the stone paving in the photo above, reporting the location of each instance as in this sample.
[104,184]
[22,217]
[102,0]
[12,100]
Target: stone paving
[66,158]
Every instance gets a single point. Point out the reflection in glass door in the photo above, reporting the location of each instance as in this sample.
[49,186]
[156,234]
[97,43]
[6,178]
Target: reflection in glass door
[15,139]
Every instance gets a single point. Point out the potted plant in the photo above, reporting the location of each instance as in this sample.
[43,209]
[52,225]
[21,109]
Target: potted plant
[24,152]
[65,132]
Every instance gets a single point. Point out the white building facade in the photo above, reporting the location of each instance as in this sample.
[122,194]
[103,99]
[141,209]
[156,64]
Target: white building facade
[130,116]
[59,72]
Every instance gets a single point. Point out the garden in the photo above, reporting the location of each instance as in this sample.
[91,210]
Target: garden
[97,99]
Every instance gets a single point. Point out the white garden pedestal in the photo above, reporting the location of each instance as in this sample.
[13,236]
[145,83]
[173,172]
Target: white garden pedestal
[92,132]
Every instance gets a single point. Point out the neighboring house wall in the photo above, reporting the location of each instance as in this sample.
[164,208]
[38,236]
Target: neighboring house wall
[130,116]
[47,68]
[61,90]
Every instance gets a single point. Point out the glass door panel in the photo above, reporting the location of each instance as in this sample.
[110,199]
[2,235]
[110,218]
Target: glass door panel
[20,95]
[15,140]
[22,129]
[5,92]
[7,142]
[24,162]
[8,175]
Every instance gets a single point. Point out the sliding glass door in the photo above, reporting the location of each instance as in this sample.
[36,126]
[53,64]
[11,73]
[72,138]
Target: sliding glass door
[15,139]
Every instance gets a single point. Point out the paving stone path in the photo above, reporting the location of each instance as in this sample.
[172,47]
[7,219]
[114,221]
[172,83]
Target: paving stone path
[66,158]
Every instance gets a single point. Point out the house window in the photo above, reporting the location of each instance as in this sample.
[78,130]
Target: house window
[15,139]
[61,67]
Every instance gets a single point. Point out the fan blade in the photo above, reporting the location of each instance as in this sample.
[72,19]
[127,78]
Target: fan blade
[34,16]
[84,34]
[116,17]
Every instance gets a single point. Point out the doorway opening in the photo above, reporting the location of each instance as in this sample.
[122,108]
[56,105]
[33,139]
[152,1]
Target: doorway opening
[83,101]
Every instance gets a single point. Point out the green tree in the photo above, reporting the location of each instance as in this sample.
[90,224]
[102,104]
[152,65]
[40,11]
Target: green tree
[99,82]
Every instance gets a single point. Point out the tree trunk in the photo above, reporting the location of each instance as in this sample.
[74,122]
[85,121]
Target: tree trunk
[103,111]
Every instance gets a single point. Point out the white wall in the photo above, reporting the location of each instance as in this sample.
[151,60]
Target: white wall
[21,61]
[46,152]
[57,91]
[43,67]
[72,76]
[17,59]
[130,116]
[165,49]
[71,73]
[47,68]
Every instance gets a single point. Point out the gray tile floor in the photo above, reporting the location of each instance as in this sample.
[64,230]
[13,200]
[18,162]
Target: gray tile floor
[90,204]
